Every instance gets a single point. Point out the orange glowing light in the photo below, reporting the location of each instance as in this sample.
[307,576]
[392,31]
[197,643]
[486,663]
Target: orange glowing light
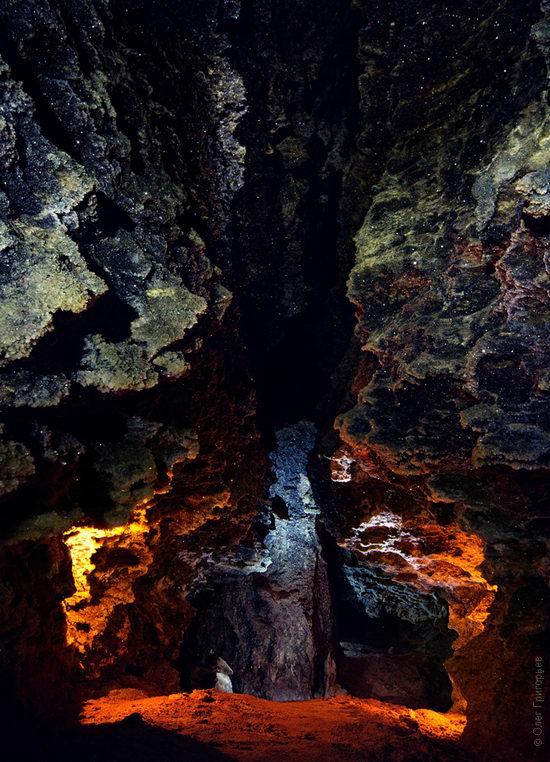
[446,560]
[243,726]
[87,618]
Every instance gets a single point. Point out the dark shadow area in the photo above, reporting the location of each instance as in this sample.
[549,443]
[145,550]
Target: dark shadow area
[130,740]
[291,255]
[391,639]
[212,634]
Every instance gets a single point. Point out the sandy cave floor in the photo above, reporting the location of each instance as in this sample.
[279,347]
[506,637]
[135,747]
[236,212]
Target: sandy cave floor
[207,725]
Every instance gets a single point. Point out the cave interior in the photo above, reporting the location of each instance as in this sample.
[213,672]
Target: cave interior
[274,376]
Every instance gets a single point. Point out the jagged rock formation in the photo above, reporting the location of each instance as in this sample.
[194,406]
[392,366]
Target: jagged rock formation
[451,287]
[271,621]
[105,276]
[118,147]
[184,191]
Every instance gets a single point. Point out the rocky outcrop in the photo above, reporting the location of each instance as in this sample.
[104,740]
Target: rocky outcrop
[119,371]
[105,275]
[272,620]
[210,471]
[450,285]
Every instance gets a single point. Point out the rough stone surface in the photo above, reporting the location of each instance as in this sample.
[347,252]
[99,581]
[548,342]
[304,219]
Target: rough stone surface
[120,362]
[451,289]
[104,275]
[184,190]
[272,622]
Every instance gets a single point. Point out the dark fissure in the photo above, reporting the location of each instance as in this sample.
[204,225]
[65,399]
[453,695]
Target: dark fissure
[273,377]
[291,252]
[290,257]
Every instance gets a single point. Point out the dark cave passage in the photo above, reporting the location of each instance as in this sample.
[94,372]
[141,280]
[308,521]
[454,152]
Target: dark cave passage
[392,640]
[291,253]
[291,248]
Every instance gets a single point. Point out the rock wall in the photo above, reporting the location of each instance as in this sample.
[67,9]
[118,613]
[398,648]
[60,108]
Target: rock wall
[127,405]
[271,619]
[107,285]
[184,191]
[451,289]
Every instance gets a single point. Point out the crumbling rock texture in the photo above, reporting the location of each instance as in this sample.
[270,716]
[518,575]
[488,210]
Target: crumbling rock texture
[117,144]
[245,612]
[212,473]
[451,287]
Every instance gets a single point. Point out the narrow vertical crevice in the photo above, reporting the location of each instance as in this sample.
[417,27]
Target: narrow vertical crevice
[291,253]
